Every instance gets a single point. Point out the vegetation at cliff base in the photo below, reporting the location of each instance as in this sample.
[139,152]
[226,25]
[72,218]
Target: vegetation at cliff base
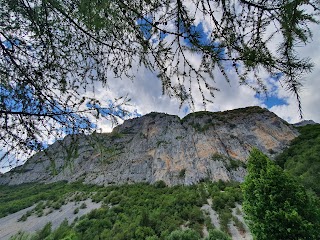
[136,211]
[302,158]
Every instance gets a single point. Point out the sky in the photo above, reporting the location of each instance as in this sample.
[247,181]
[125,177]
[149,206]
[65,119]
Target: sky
[146,96]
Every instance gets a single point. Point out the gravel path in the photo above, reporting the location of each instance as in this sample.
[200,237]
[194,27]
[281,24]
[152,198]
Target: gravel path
[9,225]
[236,234]
[234,231]
[212,214]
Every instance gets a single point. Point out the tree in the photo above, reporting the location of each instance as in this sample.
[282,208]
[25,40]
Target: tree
[52,52]
[276,205]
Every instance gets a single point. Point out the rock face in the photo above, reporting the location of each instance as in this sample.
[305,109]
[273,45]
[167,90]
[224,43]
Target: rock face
[158,146]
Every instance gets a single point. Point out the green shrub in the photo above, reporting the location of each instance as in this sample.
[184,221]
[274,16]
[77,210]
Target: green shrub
[22,236]
[142,232]
[39,213]
[240,226]
[225,217]
[183,235]
[217,235]
[83,205]
[44,232]
[76,210]
[62,231]
[182,173]
[160,184]
[23,218]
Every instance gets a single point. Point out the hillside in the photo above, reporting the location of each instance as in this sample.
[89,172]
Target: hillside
[302,158]
[158,146]
[136,211]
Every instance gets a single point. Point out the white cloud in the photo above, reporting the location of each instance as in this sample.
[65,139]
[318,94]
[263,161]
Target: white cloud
[146,92]
[310,92]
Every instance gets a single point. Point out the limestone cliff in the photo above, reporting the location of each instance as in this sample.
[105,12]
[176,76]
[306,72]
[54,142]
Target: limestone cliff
[158,146]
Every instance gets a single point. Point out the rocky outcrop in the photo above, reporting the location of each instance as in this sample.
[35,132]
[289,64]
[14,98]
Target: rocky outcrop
[158,146]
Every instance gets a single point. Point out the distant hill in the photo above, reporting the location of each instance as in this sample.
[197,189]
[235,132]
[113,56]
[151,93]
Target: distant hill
[304,123]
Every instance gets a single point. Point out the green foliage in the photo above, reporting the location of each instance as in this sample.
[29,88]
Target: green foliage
[160,184]
[224,197]
[101,145]
[217,156]
[44,232]
[183,235]
[230,163]
[61,232]
[15,198]
[22,236]
[116,135]
[201,128]
[141,211]
[225,217]
[302,158]
[240,226]
[276,205]
[217,235]
[161,142]
[25,216]
[137,211]
[182,173]
[83,206]
[71,153]
[109,153]
[76,210]
[234,164]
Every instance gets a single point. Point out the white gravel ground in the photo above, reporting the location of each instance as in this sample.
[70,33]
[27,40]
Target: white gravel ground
[9,225]
[234,231]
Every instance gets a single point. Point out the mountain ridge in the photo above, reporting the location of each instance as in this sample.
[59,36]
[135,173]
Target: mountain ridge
[161,147]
